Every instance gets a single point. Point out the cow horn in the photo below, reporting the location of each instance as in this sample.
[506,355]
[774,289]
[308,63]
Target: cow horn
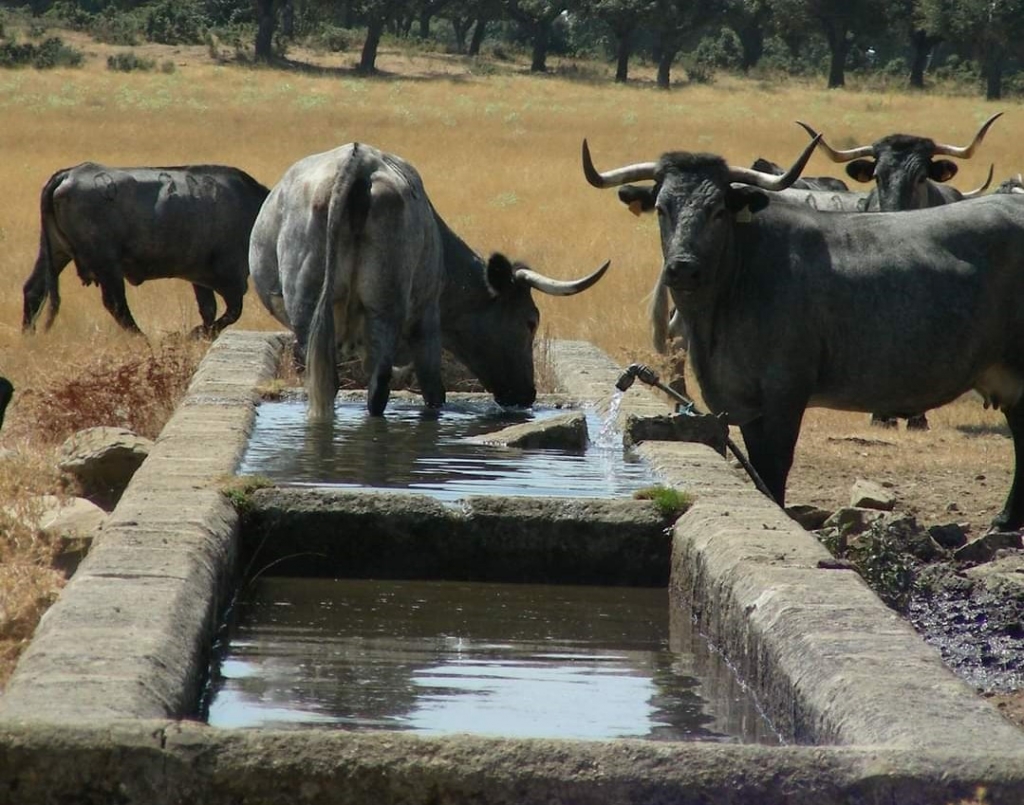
[966,151]
[839,156]
[640,172]
[769,181]
[979,190]
[558,287]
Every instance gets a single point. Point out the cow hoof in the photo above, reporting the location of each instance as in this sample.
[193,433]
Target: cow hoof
[917,423]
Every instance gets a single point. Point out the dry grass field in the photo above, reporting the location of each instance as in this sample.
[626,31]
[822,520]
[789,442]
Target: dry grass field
[498,150]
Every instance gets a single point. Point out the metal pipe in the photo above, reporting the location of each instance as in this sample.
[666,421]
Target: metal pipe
[643,373]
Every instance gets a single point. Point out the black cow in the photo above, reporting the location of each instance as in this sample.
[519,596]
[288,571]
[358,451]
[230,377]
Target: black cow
[6,393]
[907,176]
[787,308]
[140,224]
[828,183]
[349,253]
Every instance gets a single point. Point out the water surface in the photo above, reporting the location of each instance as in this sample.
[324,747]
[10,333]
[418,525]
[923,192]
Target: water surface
[490,659]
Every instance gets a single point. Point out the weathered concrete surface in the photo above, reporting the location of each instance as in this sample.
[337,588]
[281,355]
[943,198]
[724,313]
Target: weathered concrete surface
[827,659]
[166,763]
[129,635]
[407,536]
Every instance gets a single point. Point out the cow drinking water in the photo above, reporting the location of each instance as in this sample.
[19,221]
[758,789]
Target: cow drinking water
[350,254]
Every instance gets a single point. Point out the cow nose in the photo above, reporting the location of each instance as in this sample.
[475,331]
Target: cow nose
[682,274]
[515,398]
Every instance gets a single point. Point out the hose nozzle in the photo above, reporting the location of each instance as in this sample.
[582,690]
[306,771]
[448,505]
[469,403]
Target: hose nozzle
[634,371]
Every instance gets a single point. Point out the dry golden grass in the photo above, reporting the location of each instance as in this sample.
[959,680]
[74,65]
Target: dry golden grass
[499,154]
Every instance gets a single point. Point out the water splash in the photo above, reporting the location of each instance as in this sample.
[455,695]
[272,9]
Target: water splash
[609,436]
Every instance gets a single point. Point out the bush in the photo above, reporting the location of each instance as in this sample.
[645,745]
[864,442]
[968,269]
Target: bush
[176,22]
[723,52]
[70,15]
[128,62]
[115,28]
[51,53]
[334,39]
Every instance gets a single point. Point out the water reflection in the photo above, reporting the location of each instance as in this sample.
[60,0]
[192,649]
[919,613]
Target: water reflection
[426,451]
[446,657]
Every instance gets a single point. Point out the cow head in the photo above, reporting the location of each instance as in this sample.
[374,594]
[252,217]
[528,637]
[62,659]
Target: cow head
[698,202]
[903,166]
[495,338]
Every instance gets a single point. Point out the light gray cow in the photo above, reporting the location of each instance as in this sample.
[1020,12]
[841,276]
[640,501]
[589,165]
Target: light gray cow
[350,254]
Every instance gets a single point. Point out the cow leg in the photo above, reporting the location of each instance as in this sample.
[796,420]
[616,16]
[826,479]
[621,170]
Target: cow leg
[115,301]
[207,304]
[884,421]
[381,343]
[427,360]
[771,443]
[1012,516]
[918,422]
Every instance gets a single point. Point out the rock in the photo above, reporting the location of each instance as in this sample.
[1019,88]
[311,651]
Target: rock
[1005,574]
[702,428]
[102,461]
[950,536]
[984,548]
[72,521]
[904,531]
[810,517]
[869,495]
[562,432]
[851,520]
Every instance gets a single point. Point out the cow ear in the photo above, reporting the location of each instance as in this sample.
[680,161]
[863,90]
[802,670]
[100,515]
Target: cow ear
[499,274]
[638,199]
[861,170]
[941,170]
[745,200]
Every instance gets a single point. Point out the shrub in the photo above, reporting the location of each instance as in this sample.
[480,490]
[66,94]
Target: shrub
[115,28]
[723,51]
[173,22]
[127,62]
[70,15]
[334,39]
[51,53]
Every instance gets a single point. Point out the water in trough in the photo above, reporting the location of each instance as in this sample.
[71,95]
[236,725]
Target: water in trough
[458,657]
[420,451]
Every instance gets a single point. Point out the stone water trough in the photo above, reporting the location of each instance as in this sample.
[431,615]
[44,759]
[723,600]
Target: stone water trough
[103,706]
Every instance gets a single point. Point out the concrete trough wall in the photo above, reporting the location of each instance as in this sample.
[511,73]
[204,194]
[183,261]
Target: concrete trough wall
[93,712]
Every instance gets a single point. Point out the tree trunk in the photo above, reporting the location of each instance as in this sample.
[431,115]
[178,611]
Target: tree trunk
[667,56]
[266,21]
[478,36]
[994,64]
[538,64]
[838,46]
[288,19]
[425,15]
[368,58]
[921,47]
[623,50]
[460,27]
[752,42]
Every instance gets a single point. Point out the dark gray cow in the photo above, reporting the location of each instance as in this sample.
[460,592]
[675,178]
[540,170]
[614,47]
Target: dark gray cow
[6,393]
[907,175]
[349,253]
[140,224]
[788,308]
[828,183]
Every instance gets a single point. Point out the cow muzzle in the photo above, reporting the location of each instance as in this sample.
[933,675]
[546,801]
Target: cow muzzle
[682,274]
[515,398]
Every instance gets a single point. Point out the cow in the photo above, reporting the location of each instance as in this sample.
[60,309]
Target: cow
[828,183]
[1015,184]
[349,253]
[907,176]
[6,393]
[139,224]
[787,308]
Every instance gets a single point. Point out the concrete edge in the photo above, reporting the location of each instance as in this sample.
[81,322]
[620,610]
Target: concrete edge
[160,762]
[129,634]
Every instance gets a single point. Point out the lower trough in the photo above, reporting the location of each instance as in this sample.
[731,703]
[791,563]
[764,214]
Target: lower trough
[103,704]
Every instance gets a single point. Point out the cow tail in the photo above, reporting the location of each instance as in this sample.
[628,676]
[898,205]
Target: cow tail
[659,317]
[351,192]
[44,270]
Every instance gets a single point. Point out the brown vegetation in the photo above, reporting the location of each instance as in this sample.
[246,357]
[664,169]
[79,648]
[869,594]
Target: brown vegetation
[499,152]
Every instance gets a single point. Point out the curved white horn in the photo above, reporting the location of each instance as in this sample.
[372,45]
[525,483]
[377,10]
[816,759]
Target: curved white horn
[839,156]
[769,181]
[640,172]
[979,190]
[966,151]
[555,287]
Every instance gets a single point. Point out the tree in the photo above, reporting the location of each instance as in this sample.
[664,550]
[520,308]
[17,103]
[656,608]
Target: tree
[748,18]
[537,18]
[841,21]
[678,23]
[623,18]
[266,22]
[990,30]
[463,15]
